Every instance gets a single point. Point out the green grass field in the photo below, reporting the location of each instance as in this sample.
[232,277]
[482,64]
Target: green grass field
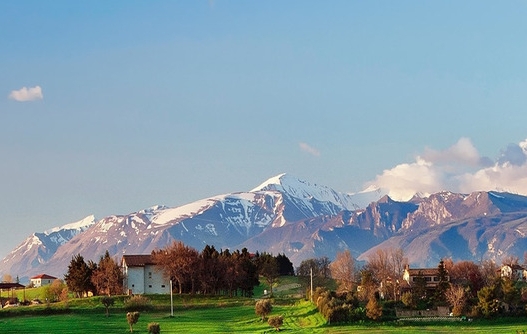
[208,315]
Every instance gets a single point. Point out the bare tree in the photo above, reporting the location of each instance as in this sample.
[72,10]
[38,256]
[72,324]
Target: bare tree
[387,266]
[343,271]
[457,298]
[179,262]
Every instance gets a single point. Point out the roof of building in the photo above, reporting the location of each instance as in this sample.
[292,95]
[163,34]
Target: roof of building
[423,271]
[138,260]
[10,286]
[43,276]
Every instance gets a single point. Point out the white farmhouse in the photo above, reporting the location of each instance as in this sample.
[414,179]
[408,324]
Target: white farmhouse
[143,276]
[41,280]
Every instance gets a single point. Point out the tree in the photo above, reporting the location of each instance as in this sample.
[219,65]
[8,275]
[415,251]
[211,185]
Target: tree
[468,275]
[368,285]
[7,278]
[343,271]
[320,268]
[373,308]
[263,308]
[443,284]
[108,277]
[488,304]
[268,268]
[457,298]
[180,263]
[132,318]
[54,290]
[107,301]
[276,321]
[78,277]
[387,266]
[285,266]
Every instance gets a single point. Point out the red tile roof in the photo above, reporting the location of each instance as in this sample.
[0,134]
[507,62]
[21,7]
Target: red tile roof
[43,276]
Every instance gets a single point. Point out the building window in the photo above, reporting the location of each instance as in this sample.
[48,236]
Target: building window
[163,286]
[150,274]
[149,286]
[428,278]
[133,285]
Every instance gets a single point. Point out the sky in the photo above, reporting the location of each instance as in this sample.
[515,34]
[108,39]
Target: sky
[112,107]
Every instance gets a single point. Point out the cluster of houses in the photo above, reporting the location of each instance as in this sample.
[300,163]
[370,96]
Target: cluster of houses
[143,276]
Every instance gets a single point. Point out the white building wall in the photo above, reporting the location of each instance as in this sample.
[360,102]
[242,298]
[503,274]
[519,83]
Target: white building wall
[154,281]
[135,280]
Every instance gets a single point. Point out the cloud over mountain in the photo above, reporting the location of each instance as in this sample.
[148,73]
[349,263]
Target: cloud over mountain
[459,168]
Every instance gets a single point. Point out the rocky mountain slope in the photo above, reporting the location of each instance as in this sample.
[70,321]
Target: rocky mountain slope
[302,220]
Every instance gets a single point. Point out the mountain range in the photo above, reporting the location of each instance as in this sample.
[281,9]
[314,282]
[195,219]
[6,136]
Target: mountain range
[298,218]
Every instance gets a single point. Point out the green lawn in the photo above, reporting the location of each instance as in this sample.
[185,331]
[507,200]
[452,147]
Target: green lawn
[299,317]
[217,314]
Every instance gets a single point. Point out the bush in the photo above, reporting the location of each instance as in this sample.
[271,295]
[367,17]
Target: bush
[276,322]
[132,318]
[153,328]
[263,308]
[137,303]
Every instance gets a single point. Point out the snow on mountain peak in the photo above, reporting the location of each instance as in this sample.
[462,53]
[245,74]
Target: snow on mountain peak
[304,190]
[79,225]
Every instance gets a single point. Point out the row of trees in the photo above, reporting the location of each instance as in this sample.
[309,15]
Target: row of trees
[208,272]
[219,272]
[464,286]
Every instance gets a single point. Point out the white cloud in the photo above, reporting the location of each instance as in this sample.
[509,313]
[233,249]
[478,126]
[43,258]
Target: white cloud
[27,94]
[460,168]
[309,149]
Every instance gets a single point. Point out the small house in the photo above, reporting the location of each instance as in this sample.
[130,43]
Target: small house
[42,280]
[143,276]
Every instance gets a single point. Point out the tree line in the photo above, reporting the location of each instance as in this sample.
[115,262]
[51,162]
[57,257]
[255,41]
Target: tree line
[207,272]
[375,289]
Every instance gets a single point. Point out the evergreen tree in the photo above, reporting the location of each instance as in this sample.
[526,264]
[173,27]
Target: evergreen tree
[78,277]
[442,285]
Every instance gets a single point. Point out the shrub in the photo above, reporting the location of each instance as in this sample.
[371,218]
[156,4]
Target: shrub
[373,309]
[132,318]
[137,303]
[276,322]
[263,308]
[107,301]
[153,328]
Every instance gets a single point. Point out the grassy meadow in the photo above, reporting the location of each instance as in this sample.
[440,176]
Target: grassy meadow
[216,314]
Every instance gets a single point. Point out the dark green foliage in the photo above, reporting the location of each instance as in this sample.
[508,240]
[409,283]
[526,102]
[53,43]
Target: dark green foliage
[285,266]
[78,277]
[153,328]
[442,285]
[488,303]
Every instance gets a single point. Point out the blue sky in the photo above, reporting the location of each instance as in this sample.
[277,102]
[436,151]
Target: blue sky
[128,104]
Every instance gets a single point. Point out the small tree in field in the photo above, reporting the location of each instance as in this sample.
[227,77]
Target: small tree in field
[276,321]
[263,308]
[132,318]
[107,301]
[153,328]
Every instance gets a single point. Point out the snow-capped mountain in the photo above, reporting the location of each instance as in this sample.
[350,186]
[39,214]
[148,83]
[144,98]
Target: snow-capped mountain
[39,248]
[224,221]
[301,219]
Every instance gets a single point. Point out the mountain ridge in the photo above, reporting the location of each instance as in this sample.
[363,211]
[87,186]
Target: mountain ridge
[295,217]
